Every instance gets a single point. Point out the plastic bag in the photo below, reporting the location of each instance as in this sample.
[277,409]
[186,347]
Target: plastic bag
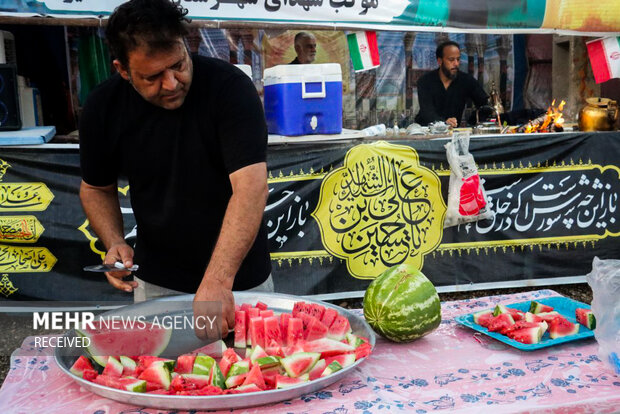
[605,283]
[467,200]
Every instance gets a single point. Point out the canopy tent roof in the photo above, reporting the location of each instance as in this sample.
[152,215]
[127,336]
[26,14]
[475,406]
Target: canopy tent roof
[576,17]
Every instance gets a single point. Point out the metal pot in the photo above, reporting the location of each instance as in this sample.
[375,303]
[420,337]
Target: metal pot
[600,114]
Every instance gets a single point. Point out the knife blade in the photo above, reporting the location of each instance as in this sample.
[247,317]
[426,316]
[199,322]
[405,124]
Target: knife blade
[116,267]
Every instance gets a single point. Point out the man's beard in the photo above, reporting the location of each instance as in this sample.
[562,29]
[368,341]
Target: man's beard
[448,73]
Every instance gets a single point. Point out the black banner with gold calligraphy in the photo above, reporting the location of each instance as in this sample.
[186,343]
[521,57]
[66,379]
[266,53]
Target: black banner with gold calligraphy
[338,214]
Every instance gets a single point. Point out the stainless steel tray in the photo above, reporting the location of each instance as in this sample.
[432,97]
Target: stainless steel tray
[159,307]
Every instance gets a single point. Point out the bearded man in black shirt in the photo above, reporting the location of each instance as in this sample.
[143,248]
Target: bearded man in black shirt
[442,93]
[189,133]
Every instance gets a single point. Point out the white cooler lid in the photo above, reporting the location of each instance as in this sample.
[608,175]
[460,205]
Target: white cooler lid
[247,69]
[314,72]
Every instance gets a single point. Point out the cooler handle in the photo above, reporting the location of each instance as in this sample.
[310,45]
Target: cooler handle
[305,94]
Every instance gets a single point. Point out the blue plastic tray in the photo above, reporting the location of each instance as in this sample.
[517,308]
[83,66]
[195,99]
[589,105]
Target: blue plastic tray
[564,306]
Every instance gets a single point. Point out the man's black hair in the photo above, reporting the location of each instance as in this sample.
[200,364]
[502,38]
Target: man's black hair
[443,45]
[155,23]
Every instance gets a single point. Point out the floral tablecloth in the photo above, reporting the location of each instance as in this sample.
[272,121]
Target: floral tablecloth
[453,369]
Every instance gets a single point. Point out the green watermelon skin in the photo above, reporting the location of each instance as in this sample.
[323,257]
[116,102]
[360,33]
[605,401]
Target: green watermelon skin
[402,304]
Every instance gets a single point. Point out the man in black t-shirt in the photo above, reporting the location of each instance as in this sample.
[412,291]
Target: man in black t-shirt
[190,136]
[442,93]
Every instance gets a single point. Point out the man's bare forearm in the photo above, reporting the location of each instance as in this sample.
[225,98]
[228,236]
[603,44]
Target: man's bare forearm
[103,212]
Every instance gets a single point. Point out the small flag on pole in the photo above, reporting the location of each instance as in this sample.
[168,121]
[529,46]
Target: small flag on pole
[605,58]
[364,50]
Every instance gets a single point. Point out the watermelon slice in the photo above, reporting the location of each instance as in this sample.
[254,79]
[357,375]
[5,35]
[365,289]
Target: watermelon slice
[142,339]
[362,351]
[240,329]
[299,363]
[113,368]
[305,318]
[145,361]
[327,347]
[529,335]
[548,316]
[329,316]
[262,306]
[286,382]
[187,382]
[317,369]
[284,318]
[216,378]
[478,315]
[339,328]
[315,330]
[274,349]
[560,327]
[203,365]
[89,374]
[344,360]
[81,364]
[248,388]
[272,330]
[530,317]
[267,362]
[331,368]
[235,380]
[265,313]
[501,322]
[255,377]
[295,331]
[517,315]
[157,373]
[249,314]
[354,340]
[298,307]
[127,384]
[536,307]
[228,359]
[585,317]
[257,352]
[269,375]
[129,366]
[317,310]
[214,349]
[257,332]
[185,364]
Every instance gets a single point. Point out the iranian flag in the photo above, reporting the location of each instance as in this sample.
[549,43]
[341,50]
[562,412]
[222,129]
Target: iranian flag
[605,58]
[363,49]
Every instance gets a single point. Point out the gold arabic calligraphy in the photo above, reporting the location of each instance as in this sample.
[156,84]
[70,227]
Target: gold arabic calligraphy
[380,209]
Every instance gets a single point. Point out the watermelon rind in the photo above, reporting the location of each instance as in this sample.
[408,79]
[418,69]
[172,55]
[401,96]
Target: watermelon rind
[216,377]
[239,367]
[402,304]
[129,365]
[354,340]
[157,373]
[203,365]
[586,318]
[285,382]
[499,309]
[268,362]
[331,368]
[477,315]
[305,359]
[113,367]
[536,307]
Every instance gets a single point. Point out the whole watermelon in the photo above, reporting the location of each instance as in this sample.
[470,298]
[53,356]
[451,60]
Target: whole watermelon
[402,304]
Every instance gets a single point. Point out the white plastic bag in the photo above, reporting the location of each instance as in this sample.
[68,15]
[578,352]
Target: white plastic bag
[605,283]
[467,200]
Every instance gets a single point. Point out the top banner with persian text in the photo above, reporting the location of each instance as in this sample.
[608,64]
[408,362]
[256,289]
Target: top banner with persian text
[478,15]
[339,214]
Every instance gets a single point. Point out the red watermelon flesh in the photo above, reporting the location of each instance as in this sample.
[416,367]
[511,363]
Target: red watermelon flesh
[157,373]
[269,375]
[517,315]
[127,384]
[477,315]
[240,329]
[362,351]
[501,322]
[249,314]
[229,358]
[339,328]
[585,317]
[185,364]
[295,331]
[521,325]
[285,382]
[89,374]
[529,335]
[344,360]
[305,318]
[298,307]
[257,332]
[81,364]
[275,349]
[317,310]
[262,306]
[152,386]
[560,327]
[272,330]
[299,363]
[315,330]
[266,313]
[531,317]
[235,380]
[329,316]
[317,370]
[485,319]
[548,316]
[284,318]
[255,377]
[113,367]
[248,388]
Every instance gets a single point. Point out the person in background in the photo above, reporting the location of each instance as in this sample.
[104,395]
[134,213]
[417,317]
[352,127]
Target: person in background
[189,133]
[305,47]
[443,93]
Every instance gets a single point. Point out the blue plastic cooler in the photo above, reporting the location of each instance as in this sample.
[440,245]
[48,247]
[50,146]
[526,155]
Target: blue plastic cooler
[303,99]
